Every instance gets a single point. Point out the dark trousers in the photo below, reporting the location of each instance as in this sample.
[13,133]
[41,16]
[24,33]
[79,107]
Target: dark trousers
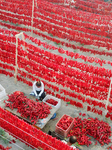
[42,95]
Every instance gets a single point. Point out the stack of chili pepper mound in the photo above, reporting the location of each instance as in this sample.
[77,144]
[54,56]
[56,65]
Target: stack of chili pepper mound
[27,108]
[100,130]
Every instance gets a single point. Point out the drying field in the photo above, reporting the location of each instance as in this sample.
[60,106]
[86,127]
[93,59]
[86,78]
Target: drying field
[68,47]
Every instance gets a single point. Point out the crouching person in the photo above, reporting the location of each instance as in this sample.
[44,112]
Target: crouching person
[38,90]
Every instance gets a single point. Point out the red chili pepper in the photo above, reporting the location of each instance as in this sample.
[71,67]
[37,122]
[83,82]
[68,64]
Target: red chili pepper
[65,122]
[28,108]
[100,130]
[52,101]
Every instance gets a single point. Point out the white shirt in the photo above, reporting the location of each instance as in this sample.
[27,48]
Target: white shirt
[71,145]
[72,1]
[35,88]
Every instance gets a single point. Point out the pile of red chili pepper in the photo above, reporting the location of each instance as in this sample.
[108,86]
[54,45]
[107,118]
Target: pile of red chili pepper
[3,148]
[109,148]
[28,108]
[100,130]
[52,102]
[65,122]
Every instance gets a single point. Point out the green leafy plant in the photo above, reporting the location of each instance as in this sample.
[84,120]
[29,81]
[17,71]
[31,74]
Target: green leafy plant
[75,50]
[5,21]
[50,34]
[77,144]
[82,44]
[60,46]
[3,136]
[2,132]
[40,148]
[57,43]
[5,141]
[16,24]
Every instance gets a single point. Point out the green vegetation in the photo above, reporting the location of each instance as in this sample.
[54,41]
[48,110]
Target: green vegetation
[57,43]
[82,44]
[3,136]
[51,34]
[77,144]
[75,50]
[16,24]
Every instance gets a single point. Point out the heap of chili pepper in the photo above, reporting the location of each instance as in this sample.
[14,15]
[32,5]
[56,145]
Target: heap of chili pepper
[3,148]
[100,130]
[109,147]
[28,108]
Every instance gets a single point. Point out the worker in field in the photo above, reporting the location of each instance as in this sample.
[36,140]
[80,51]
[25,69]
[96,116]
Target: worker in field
[38,90]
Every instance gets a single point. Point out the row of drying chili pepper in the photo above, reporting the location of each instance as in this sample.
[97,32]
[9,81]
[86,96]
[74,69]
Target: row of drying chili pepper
[53,39]
[64,62]
[29,134]
[48,27]
[72,102]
